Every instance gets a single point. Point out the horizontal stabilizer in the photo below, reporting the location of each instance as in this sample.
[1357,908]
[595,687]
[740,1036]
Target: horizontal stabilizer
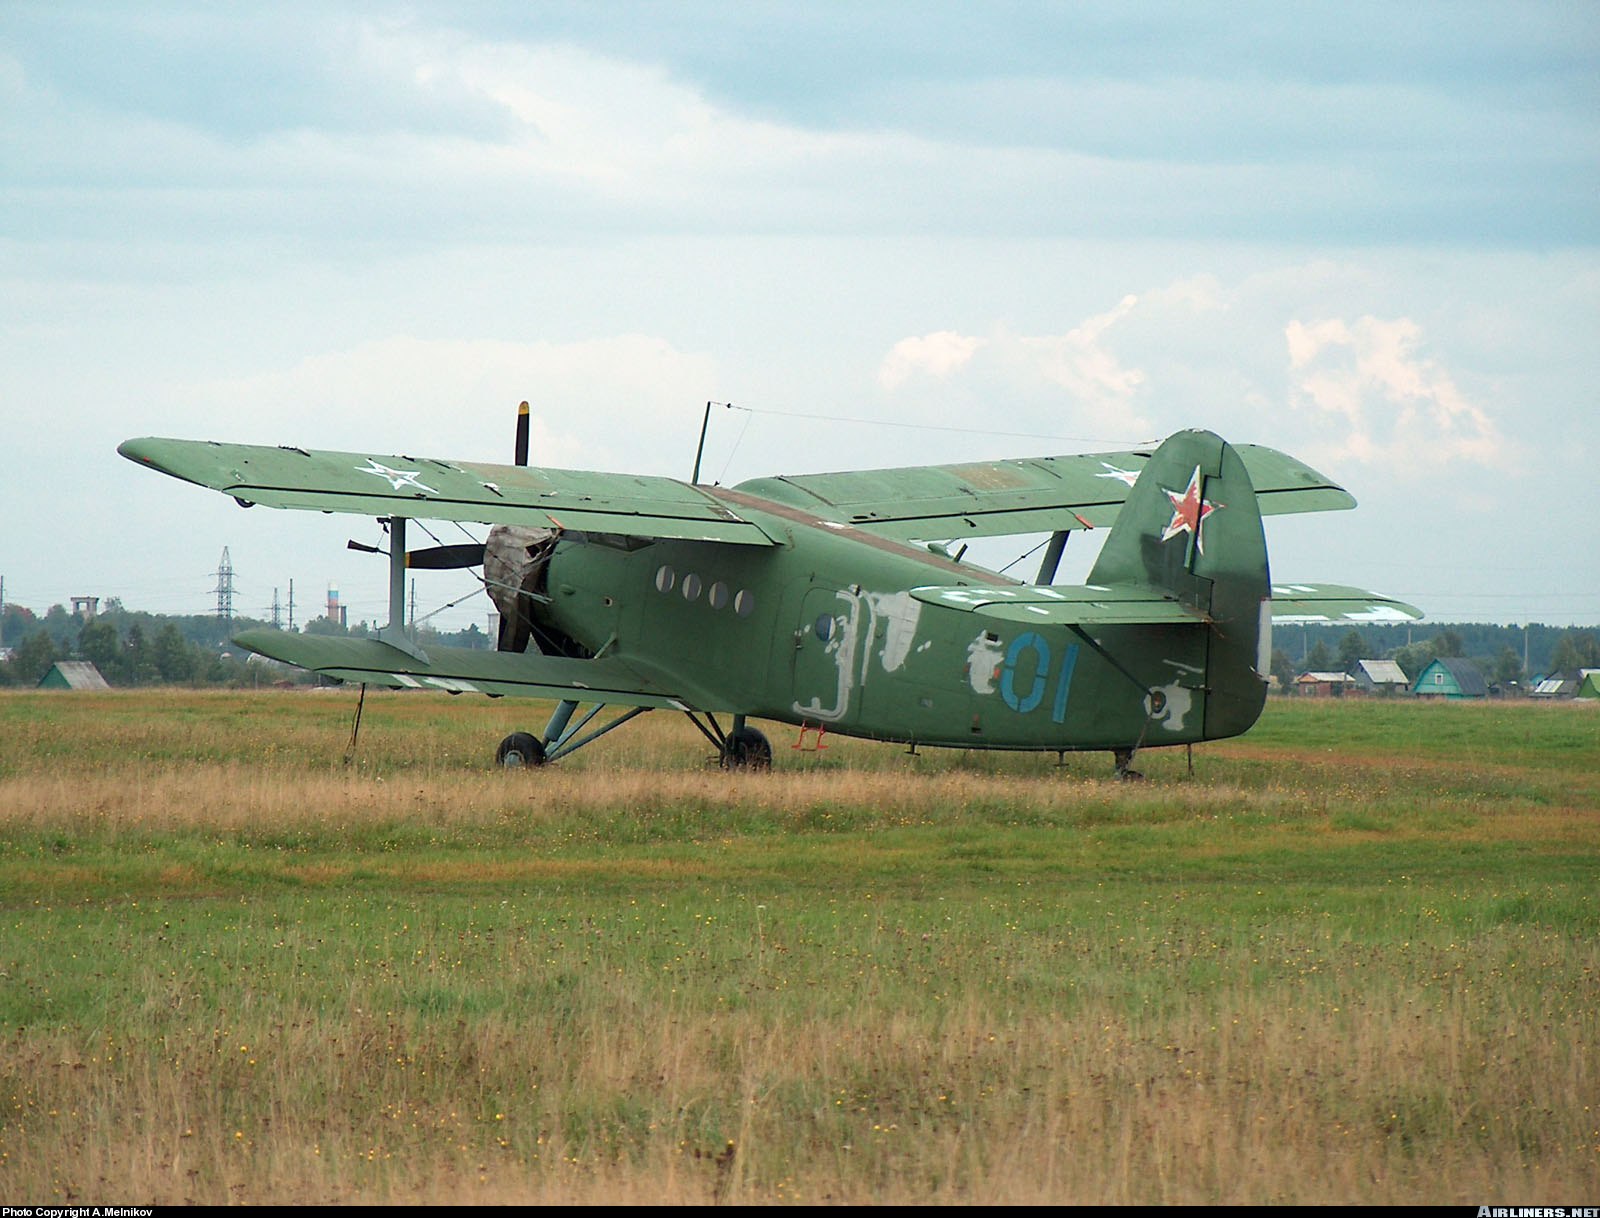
[421,488]
[1313,603]
[1091,605]
[462,669]
[1064,606]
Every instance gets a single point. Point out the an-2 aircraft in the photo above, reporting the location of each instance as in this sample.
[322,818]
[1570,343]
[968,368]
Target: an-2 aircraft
[832,602]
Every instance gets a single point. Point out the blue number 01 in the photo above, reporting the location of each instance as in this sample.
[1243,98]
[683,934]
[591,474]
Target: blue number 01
[1035,695]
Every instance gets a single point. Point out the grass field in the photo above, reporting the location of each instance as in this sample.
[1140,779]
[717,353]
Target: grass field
[1354,957]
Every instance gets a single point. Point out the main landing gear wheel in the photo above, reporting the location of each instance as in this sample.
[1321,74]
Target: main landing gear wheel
[746,749]
[518,750]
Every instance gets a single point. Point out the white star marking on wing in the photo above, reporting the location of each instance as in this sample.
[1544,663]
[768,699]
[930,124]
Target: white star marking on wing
[1125,476]
[396,478]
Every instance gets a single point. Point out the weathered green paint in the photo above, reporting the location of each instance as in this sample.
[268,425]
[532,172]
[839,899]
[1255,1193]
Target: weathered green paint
[938,501]
[426,489]
[821,614]
[1033,494]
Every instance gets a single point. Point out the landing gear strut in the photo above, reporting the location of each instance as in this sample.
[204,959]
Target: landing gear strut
[561,735]
[1124,765]
[739,748]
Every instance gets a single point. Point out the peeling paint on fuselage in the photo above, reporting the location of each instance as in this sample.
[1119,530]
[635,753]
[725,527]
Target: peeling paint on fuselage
[891,666]
[984,654]
[894,615]
[1168,705]
[898,611]
[841,644]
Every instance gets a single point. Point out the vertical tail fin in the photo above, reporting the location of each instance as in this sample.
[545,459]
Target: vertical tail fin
[1191,529]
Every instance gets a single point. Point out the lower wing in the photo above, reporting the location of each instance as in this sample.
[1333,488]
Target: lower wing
[465,670]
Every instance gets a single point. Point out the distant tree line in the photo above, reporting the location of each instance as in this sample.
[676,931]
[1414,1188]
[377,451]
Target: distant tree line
[131,647]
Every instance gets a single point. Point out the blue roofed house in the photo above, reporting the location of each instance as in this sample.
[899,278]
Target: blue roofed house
[1447,677]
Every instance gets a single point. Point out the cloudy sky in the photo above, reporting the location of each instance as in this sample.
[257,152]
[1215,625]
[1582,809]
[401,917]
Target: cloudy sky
[888,233]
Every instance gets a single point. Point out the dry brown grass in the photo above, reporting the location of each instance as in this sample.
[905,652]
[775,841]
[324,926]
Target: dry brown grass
[236,970]
[1269,1106]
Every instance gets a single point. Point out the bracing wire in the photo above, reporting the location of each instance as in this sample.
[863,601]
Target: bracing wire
[968,431]
[749,414]
[1020,557]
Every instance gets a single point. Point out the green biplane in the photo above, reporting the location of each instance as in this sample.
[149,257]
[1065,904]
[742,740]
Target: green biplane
[832,602]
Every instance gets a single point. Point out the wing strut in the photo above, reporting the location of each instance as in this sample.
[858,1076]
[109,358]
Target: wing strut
[394,633]
[1052,557]
[570,742]
[556,729]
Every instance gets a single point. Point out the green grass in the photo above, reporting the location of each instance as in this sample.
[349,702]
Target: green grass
[1352,958]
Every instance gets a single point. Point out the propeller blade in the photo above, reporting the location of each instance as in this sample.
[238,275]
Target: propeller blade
[522,434]
[445,558]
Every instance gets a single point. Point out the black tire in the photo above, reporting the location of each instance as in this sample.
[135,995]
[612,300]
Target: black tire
[746,749]
[518,750]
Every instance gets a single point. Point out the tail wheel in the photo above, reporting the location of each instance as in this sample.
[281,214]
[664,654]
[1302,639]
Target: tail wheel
[518,750]
[746,749]
[1124,765]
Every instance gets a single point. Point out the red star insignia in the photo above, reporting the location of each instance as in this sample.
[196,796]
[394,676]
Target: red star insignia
[1189,511]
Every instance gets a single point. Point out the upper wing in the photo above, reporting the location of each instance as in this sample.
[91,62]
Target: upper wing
[423,488]
[1029,495]
[464,670]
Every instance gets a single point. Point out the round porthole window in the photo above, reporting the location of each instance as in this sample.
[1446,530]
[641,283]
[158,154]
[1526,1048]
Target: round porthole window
[718,596]
[744,602]
[665,578]
[691,586]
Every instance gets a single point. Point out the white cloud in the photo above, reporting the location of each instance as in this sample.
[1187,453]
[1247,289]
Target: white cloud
[1392,406]
[1195,353]
[1079,362]
[431,137]
[578,126]
[1071,381]
[936,355]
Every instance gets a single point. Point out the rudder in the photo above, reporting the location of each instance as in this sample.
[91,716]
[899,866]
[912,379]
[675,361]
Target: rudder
[1191,529]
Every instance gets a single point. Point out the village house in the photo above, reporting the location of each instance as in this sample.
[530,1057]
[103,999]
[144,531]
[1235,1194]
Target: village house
[73,674]
[1380,677]
[1448,677]
[1570,684]
[1324,684]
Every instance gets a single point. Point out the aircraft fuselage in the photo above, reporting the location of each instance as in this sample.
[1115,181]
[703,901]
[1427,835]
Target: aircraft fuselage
[821,630]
